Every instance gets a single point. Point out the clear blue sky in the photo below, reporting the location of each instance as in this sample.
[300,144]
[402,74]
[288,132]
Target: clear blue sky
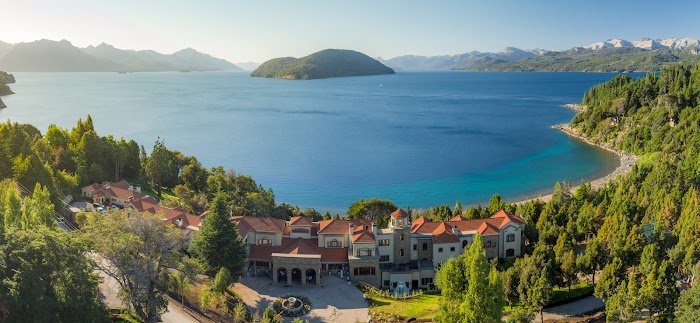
[259,30]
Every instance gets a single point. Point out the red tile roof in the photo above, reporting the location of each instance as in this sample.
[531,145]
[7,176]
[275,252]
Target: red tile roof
[459,218]
[507,218]
[343,226]
[487,229]
[260,224]
[443,234]
[399,214]
[298,246]
[363,237]
[170,215]
[300,220]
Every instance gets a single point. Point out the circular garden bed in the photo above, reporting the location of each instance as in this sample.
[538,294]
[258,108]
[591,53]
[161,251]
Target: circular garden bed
[292,305]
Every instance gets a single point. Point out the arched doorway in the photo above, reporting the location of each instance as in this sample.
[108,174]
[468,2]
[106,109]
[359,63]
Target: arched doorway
[310,276]
[296,275]
[282,275]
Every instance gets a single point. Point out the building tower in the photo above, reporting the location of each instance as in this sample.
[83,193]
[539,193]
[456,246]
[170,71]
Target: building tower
[401,227]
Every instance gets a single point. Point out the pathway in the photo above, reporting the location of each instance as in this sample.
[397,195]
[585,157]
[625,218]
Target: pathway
[576,308]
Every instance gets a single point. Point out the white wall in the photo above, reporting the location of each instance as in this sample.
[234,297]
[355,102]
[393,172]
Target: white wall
[441,257]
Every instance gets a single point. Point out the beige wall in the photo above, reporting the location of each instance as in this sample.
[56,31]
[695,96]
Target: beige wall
[386,250]
[516,245]
[357,246]
[276,239]
[342,238]
[303,235]
[441,257]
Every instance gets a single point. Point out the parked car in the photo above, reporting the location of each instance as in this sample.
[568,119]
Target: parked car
[96,205]
[100,209]
[114,207]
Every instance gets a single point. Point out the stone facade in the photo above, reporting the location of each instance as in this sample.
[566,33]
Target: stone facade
[402,247]
[371,279]
[427,252]
[307,266]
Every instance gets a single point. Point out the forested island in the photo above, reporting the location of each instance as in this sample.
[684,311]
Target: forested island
[323,64]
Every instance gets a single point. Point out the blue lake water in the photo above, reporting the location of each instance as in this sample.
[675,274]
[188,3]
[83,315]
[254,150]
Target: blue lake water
[416,138]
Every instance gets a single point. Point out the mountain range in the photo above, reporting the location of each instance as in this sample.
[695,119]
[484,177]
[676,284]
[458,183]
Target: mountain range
[61,56]
[609,55]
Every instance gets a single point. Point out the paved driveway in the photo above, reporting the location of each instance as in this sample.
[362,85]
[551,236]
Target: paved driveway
[574,308]
[334,301]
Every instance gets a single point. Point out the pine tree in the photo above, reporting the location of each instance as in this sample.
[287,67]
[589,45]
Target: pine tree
[540,294]
[218,244]
[38,210]
[483,298]
[458,209]
[12,209]
[450,279]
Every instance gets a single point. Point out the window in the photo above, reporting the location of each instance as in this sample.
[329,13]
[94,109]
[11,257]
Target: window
[439,249]
[425,246]
[264,241]
[300,230]
[488,244]
[364,271]
[426,281]
[400,252]
[401,237]
[334,244]
[383,258]
[510,237]
[415,246]
[510,253]
[452,248]
[323,266]
[465,243]
[364,252]
[384,242]
[386,283]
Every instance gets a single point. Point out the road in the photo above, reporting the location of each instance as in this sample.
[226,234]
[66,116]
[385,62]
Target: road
[109,294]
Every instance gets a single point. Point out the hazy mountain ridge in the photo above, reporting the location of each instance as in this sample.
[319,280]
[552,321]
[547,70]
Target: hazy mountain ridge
[61,56]
[638,55]
[322,64]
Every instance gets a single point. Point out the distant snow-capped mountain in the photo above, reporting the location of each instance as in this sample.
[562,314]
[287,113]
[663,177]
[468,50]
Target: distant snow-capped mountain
[647,43]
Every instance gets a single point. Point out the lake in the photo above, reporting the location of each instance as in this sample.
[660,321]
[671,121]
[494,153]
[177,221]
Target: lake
[416,138]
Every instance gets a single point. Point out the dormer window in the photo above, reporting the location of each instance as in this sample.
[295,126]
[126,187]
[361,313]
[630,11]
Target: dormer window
[264,242]
[334,244]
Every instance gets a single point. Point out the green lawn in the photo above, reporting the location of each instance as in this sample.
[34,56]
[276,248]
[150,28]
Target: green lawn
[426,306]
[167,192]
[423,307]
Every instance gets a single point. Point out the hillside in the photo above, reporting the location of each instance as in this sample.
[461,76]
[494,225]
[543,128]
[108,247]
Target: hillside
[62,56]
[461,61]
[606,59]
[52,56]
[324,64]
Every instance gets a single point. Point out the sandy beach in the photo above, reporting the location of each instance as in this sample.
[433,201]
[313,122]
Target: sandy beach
[626,162]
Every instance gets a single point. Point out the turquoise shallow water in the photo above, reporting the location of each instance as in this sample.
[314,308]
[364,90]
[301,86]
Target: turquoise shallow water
[417,138]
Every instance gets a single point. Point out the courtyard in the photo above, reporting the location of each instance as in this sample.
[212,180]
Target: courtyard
[334,300]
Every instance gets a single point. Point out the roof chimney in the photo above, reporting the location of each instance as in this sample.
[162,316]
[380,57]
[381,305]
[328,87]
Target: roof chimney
[374,228]
[455,230]
[351,226]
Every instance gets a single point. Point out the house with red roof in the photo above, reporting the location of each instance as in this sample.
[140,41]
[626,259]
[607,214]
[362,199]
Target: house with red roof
[127,196]
[300,250]
[119,193]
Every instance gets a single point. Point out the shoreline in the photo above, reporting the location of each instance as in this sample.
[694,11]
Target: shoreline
[626,162]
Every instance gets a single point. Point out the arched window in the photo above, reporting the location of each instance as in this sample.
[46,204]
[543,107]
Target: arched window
[488,244]
[465,243]
[425,246]
[400,252]
[401,237]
